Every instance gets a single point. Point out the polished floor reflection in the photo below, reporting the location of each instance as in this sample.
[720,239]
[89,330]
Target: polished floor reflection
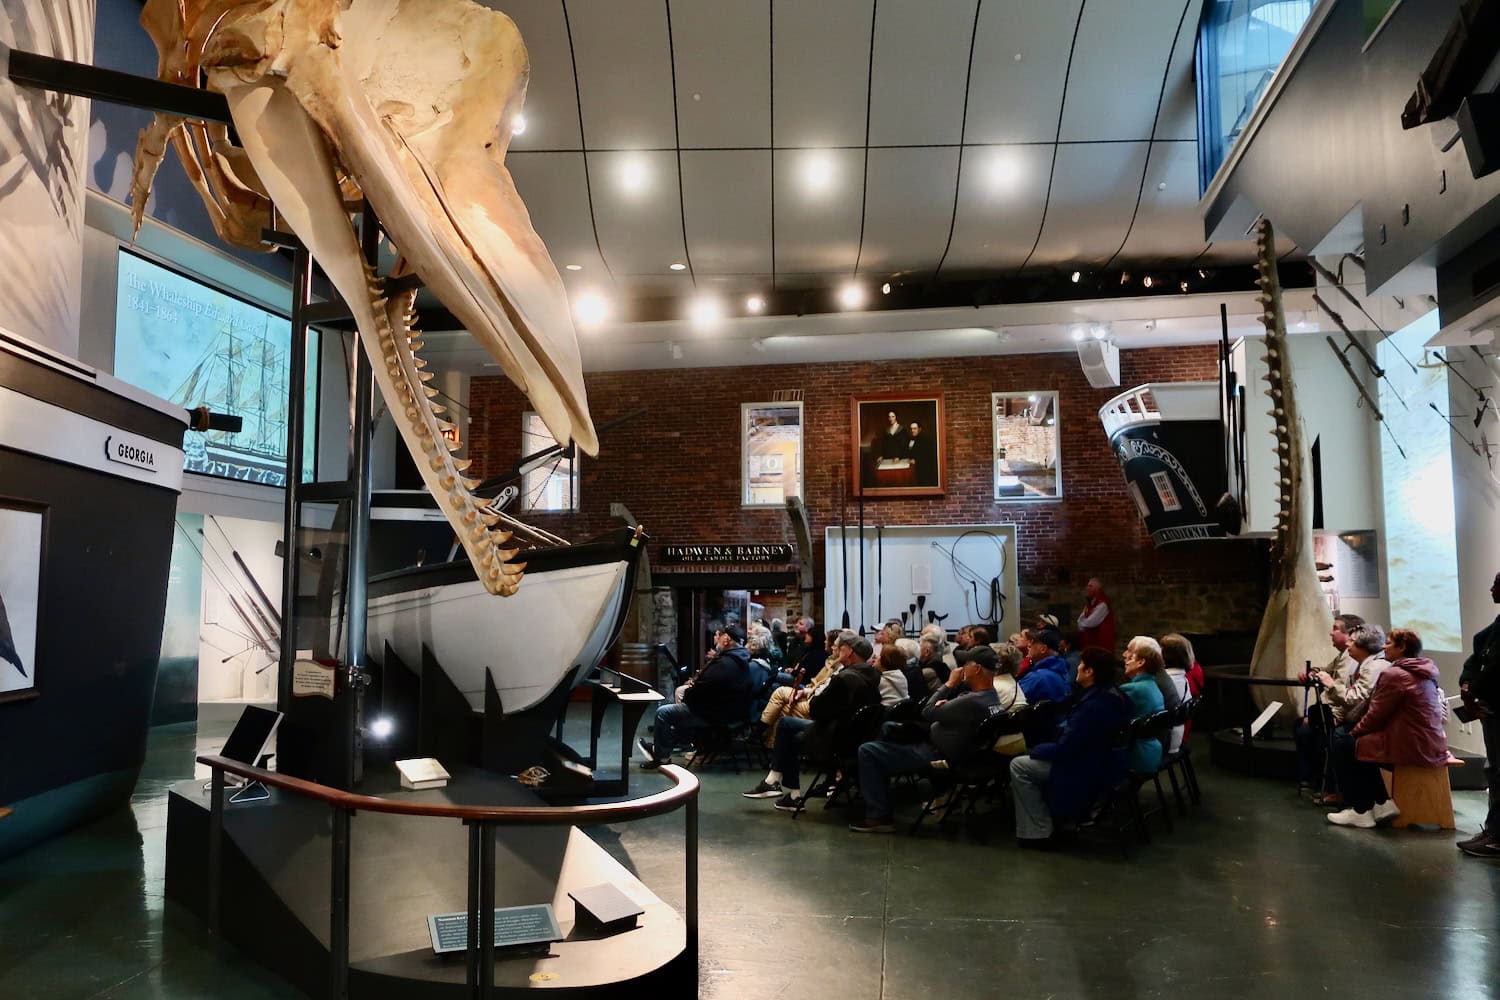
[1253,896]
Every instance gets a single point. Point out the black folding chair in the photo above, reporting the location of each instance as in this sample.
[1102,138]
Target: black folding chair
[959,786]
[844,740]
[1181,760]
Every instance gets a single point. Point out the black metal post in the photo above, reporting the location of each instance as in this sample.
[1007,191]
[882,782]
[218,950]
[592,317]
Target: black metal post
[486,910]
[692,883]
[215,849]
[296,422]
[471,956]
[359,531]
[338,908]
[28,69]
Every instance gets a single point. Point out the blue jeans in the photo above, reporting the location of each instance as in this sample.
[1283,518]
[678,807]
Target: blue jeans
[787,755]
[1028,786]
[670,721]
[880,761]
[1360,781]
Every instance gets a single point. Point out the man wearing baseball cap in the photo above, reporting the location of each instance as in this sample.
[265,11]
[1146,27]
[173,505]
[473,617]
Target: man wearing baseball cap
[719,695]
[955,720]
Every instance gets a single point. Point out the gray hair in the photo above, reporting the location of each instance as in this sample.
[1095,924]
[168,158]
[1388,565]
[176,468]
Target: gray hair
[1149,650]
[759,640]
[1368,637]
[931,641]
[907,646]
[936,632]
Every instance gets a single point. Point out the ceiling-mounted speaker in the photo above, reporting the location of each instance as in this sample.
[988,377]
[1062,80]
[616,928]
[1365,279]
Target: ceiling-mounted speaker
[1101,363]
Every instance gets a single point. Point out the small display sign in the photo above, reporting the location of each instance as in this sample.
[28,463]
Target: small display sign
[771,552]
[514,926]
[311,679]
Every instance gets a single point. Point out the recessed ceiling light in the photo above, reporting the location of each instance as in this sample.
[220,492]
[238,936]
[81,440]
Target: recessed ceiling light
[1076,276]
[1182,286]
[706,312]
[755,304]
[1018,57]
[518,125]
[1161,186]
[633,173]
[1146,281]
[1003,171]
[573,267]
[885,289]
[852,296]
[677,265]
[818,171]
[590,309]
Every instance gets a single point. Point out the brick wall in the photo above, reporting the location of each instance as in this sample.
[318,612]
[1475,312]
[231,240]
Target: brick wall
[677,468]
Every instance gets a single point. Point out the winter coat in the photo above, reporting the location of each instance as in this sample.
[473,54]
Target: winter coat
[1404,723]
[723,691]
[1145,700]
[1047,680]
[1482,668]
[1084,758]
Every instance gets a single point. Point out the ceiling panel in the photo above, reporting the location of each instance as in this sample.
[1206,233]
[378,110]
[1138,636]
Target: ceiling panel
[1119,62]
[908,208]
[640,222]
[723,55]
[1167,226]
[727,197]
[921,67]
[551,107]
[1094,188]
[820,77]
[817,231]
[1018,100]
[1000,196]
[1178,118]
[552,186]
[624,73]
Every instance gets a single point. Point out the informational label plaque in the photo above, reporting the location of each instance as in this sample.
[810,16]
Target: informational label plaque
[311,679]
[515,926]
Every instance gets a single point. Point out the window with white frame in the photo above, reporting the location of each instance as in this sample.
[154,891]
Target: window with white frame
[553,484]
[1027,465]
[771,443]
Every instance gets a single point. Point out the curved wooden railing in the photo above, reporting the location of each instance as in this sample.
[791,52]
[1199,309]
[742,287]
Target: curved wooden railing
[481,821]
[684,787]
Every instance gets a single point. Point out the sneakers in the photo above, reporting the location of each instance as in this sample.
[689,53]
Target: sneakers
[789,802]
[1482,837]
[1483,849]
[874,824]
[763,791]
[652,762]
[1358,820]
[1386,810]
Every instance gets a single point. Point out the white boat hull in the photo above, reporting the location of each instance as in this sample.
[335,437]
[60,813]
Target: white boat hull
[562,621]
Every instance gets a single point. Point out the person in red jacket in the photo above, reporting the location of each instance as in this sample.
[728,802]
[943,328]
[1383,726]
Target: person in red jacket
[1096,626]
[1402,724]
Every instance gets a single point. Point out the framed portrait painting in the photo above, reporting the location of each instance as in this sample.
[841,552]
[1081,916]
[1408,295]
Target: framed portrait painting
[22,539]
[898,446]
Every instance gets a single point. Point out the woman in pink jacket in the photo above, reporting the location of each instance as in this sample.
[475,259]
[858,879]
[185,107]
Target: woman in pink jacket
[1403,724]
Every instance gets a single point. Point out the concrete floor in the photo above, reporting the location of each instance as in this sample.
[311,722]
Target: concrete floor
[1255,895]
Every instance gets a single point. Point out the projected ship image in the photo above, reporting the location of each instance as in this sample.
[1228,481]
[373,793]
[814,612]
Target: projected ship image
[244,375]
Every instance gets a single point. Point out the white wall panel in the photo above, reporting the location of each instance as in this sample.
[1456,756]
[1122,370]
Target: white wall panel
[1001,192]
[1018,100]
[921,67]
[624,73]
[723,54]
[1119,63]
[1094,187]
[909,208]
[727,198]
[821,73]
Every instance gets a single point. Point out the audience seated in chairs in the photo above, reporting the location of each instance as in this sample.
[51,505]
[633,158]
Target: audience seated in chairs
[1337,694]
[854,685]
[719,695]
[1401,724]
[792,698]
[894,685]
[954,720]
[1144,671]
[1047,679]
[1177,654]
[759,644]
[1061,780]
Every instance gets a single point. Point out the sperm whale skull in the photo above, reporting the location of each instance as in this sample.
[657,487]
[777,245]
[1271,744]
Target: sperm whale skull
[411,105]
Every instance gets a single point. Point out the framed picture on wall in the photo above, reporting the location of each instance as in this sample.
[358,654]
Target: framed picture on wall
[23,534]
[897,443]
[1027,465]
[771,444]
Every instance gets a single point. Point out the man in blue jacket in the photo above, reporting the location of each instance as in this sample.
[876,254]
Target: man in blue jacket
[1062,779]
[719,695]
[1048,677]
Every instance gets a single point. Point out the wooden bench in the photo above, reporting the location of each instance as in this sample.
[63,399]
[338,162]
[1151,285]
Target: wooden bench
[1423,794]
